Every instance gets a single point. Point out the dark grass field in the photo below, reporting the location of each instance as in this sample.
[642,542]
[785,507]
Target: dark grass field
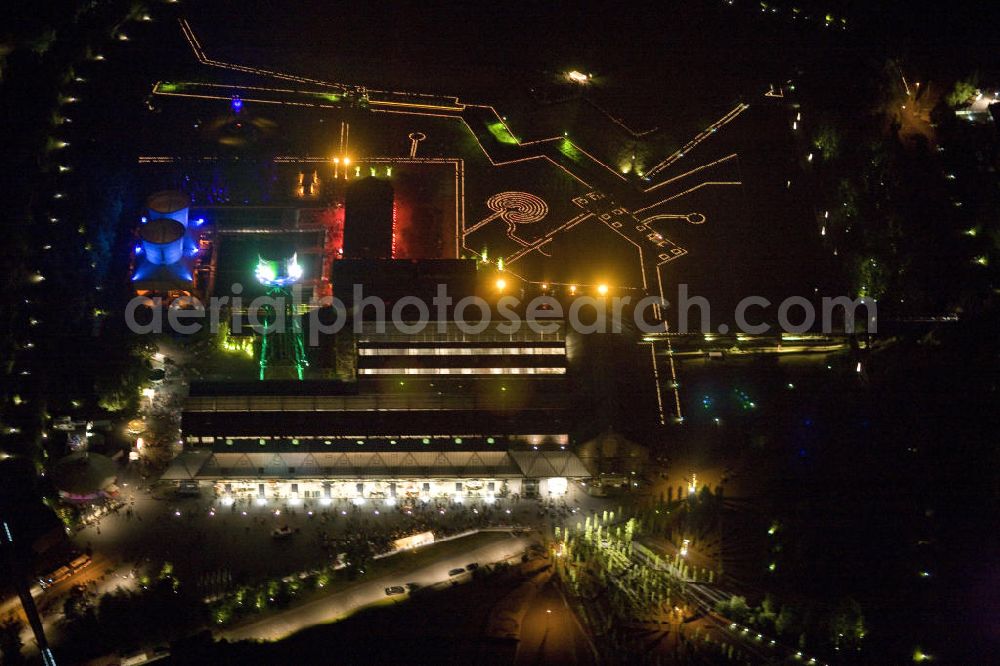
[434,628]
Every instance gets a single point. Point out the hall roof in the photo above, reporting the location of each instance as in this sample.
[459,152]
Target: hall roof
[374,464]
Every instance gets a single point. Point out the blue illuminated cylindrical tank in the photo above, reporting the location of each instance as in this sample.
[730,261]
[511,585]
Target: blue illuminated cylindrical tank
[162,240]
[171,204]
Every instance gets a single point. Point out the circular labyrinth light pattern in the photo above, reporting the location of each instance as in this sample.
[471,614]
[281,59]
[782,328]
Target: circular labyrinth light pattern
[695,218]
[518,207]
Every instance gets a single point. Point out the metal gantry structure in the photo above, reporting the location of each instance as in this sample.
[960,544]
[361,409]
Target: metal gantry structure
[282,342]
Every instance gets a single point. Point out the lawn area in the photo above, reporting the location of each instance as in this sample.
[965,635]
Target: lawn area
[430,626]
[395,569]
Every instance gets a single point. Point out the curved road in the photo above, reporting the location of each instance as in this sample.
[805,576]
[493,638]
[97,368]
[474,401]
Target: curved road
[339,604]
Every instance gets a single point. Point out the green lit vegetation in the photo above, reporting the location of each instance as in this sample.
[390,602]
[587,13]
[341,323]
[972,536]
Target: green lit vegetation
[962,92]
[827,140]
[330,97]
[501,133]
[567,148]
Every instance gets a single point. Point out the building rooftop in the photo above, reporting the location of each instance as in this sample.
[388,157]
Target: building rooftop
[375,464]
[371,423]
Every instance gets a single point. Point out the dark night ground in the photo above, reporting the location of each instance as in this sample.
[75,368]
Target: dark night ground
[432,628]
[761,237]
[521,32]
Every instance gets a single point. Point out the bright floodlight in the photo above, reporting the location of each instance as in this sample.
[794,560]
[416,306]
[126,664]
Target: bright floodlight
[577,77]
[602,289]
[267,272]
[294,269]
[501,284]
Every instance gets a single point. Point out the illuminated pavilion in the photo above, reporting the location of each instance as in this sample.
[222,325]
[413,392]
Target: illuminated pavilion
[444,414]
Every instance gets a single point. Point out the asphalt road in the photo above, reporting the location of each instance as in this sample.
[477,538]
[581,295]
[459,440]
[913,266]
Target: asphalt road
[342,603]
[550,633]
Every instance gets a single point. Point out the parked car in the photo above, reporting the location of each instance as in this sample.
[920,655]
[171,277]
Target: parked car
[456,572]
[65,571]
[394,590]
[472,567]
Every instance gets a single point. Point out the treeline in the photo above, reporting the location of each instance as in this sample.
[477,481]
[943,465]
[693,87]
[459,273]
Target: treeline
[65,250]
[905,191]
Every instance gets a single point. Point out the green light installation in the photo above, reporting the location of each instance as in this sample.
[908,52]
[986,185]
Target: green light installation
[281,346]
